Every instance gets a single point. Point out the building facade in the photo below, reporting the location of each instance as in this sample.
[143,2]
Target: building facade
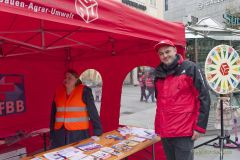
[175,10]
[224,12]
[151,7]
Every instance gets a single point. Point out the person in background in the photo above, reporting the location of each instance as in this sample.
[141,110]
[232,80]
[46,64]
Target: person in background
[143,87]
[183,102]
[98,93]
[72,110]
[150,87]
[235,104]
[235,126]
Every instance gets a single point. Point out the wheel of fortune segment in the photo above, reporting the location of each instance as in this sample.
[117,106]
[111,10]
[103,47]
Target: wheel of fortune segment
[222,69]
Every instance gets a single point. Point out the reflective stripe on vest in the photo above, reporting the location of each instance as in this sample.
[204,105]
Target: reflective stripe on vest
[82,119]
[71,111]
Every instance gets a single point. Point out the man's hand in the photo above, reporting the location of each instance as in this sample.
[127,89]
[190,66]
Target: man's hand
[195,135]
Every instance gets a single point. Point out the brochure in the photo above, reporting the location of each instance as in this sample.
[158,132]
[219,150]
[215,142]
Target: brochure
[121,147]
[111,151]
[130,143]
[107,149]
[115,137]
[37,158]
[69,152]
[124,130]
[78,157]
[88,158]
[137,139]
[89,146]
[53,156]
[101,155]
[142,132]
[116,153]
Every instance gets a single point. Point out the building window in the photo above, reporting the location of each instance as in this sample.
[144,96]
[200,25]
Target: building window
[153,3]
[166,5]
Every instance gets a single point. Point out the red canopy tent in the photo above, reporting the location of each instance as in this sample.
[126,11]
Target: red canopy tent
[40,39]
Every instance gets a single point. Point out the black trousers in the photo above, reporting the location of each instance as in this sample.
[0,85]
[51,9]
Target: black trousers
[151,93]
[180,148]
[143,93]
[63,137]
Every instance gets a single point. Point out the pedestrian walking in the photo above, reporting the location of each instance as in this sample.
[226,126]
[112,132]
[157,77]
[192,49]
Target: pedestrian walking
[98,93]
[235,103]
[150,87]
[142,85]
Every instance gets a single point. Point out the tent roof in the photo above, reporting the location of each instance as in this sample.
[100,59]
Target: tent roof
[26,31]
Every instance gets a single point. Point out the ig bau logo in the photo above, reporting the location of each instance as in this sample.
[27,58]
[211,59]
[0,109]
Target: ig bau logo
[87,9]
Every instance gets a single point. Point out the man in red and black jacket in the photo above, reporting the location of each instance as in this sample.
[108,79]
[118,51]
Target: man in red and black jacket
[183,102]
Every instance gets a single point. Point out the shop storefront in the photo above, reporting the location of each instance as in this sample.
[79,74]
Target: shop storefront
[212,33]
[198,52]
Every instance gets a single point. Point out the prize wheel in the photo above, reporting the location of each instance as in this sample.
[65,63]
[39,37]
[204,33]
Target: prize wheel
[222,69]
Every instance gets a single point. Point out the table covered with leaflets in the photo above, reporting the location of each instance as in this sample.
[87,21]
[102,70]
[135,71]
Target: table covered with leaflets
[113,145]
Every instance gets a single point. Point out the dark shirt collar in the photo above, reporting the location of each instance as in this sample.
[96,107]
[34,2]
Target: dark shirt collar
[164,70]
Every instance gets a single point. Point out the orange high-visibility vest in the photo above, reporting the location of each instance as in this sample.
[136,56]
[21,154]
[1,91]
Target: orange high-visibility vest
[71,111]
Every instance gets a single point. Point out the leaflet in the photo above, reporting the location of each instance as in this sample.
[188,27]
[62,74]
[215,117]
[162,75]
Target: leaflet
[142,132]
[130,143]
[101,155]
[88,158]
[78,157]
[37,158]
[107,149]
[53,156]
[121,147]
[116,153]
[124,130]
[89,146]
[69,152]
[137,139]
